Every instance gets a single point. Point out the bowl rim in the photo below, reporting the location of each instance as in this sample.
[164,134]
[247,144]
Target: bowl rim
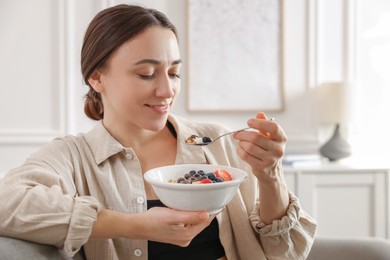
[179,186]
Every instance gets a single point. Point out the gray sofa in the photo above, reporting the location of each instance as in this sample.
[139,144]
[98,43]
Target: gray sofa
[367,248]
[323,249]
[15,249]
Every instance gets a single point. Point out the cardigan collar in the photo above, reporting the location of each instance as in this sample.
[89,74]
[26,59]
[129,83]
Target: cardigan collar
[103,145]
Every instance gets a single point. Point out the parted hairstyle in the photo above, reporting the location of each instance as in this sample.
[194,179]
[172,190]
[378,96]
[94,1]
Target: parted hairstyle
[107,31]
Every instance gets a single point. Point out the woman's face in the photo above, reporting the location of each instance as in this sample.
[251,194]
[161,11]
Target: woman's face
[142,80]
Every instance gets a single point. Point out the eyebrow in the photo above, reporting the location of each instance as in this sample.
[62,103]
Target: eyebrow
[156,62]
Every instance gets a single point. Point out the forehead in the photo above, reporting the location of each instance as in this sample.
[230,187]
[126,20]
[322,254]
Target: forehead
[155,42]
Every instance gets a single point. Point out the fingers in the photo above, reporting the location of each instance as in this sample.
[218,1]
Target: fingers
[189,218]
[258,153]
[270,137]
[186,225]
[268,128]
[262,148]
[174,226]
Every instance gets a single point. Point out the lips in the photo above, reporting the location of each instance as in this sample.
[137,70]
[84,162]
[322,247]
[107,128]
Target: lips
[160,108]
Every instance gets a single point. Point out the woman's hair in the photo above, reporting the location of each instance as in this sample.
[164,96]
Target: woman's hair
[108,30]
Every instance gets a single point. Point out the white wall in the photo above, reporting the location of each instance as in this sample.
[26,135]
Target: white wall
[41,85]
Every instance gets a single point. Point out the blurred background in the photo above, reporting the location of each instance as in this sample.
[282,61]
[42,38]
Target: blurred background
[322,42]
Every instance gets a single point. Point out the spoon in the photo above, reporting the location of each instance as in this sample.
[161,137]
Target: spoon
[197,140]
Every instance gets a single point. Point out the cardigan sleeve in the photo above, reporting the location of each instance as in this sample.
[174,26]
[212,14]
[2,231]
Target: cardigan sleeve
[39,203]
[290,237]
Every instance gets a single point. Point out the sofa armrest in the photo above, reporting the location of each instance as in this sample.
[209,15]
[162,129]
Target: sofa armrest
[12,248]
[367,248]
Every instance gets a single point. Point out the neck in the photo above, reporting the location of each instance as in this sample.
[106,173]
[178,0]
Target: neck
[136,137]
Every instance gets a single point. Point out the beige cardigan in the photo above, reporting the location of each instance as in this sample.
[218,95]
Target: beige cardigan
[55,196]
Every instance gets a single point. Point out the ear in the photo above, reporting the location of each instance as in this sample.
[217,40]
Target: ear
[95,80]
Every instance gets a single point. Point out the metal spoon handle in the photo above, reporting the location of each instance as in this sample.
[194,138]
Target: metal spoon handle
[243,129]
[246,128]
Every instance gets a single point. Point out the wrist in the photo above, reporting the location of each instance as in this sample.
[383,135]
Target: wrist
[271,176]
[274,198]
[273,184]
[114,224]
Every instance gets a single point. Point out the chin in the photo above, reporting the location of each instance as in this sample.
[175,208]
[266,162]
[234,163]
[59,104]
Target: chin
[157,126]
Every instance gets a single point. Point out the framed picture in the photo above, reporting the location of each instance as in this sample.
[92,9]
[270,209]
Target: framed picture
[235,55]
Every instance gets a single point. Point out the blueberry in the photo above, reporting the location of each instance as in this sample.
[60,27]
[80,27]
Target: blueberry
[201,172]
[210,175]
[206,139]
[218,179]
[198,175]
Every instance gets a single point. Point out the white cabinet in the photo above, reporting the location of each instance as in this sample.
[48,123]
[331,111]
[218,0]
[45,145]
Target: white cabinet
[345,200]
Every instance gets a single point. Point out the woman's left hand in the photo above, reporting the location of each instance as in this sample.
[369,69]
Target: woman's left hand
[264,148]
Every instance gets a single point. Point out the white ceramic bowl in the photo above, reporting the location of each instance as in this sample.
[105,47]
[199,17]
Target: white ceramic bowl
[211,197]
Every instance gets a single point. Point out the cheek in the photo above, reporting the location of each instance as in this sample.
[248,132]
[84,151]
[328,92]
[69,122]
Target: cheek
[130,98]
[177,88]
[119,97]
[134,99]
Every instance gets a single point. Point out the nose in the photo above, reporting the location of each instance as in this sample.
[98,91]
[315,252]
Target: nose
[166,87]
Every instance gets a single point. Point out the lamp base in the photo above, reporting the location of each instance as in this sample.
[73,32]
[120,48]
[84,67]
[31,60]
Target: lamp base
[337,147]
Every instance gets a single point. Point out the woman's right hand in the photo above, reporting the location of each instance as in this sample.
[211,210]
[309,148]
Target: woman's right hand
[158,224]
[173,226]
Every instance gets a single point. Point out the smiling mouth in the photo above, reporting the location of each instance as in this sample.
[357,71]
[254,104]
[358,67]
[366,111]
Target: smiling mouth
[157,106]
[161,109]
[167,103]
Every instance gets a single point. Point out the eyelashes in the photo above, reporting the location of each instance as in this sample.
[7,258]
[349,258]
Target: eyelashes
[147,77]
[153,76]
[175,75]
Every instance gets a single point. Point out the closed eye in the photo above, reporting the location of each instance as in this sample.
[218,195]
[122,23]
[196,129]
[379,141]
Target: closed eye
[153,76]
[147,77]
[175,75]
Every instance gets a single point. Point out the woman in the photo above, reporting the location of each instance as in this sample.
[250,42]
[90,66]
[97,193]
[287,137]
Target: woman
[87,191]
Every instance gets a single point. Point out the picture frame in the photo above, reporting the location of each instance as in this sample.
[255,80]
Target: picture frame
[235,55]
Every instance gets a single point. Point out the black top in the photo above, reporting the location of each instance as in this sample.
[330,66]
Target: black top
[205,246]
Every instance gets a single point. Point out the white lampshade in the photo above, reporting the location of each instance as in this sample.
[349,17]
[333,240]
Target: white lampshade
[333,105]
[333,102]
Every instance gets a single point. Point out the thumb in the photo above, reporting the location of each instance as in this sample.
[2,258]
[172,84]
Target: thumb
[193,217]
[261,115]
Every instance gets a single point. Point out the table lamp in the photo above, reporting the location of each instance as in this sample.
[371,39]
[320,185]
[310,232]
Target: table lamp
[333,107]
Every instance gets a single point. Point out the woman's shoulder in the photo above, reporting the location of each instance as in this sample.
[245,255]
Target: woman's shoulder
[58,148]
